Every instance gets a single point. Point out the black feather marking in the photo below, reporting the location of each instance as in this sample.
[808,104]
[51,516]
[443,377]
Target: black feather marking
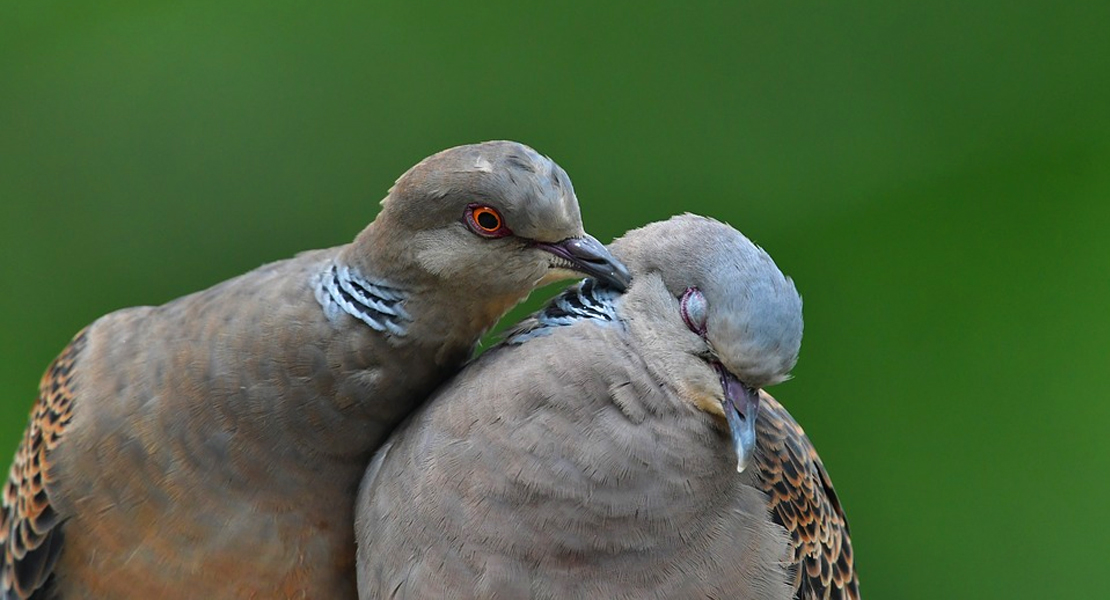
[585,301]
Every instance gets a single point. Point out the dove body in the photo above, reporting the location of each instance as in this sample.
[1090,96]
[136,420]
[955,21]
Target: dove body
[212,447]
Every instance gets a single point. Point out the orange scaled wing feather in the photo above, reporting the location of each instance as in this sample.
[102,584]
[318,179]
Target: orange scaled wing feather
[30,532]
[803,501]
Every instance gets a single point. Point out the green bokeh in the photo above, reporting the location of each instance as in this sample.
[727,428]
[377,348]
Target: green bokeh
[935,176]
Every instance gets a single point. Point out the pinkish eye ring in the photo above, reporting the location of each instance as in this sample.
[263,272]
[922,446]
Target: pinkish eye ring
[694,310]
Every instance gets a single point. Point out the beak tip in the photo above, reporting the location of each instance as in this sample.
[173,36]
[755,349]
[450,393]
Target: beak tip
[741,406]
[620,278]
[593,259]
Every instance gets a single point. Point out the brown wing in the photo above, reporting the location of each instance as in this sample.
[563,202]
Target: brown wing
[803,501]
[30,531]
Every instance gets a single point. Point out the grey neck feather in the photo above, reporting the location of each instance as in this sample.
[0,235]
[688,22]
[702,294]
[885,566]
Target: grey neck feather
[340,289]
[581,302]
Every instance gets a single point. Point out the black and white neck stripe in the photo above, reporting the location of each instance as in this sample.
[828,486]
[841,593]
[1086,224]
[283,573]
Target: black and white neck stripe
[585,301]
[340,289]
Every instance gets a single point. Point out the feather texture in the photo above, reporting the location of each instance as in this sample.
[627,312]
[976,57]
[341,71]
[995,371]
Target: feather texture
[803,501]
[30,528]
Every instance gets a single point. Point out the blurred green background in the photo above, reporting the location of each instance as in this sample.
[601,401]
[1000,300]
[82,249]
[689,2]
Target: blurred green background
[935,176]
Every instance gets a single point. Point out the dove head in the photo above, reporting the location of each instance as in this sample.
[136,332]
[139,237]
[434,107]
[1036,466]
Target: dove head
[715,317]
[497,215]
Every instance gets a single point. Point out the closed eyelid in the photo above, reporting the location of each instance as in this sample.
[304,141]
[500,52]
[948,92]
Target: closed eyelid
[694,309]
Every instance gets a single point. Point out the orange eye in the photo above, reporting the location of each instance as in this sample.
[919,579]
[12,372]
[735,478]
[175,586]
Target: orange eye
[486,221]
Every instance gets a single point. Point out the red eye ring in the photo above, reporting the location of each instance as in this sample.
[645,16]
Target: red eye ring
[486,221]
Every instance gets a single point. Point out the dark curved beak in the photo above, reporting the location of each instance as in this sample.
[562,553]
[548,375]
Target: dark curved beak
[741,405]
[589,256]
